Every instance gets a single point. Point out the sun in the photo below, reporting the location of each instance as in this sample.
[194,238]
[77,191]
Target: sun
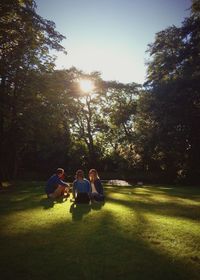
[86,85]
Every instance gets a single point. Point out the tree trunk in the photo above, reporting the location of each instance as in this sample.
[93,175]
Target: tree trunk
[2,102]
[90,137]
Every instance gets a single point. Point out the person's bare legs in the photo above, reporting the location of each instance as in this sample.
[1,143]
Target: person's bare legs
[66,192]
[58,192]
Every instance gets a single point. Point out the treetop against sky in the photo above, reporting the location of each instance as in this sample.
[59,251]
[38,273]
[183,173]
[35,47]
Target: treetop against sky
[111,36]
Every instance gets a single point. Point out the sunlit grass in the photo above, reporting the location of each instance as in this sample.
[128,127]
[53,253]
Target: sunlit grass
[148,232]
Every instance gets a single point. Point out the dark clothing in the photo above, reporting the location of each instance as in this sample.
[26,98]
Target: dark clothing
[97,196]
[52,184]
[82,197]
[98,186]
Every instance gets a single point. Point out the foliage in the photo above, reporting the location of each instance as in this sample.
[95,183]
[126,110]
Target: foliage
[147,133]
[25,40]
[169,110]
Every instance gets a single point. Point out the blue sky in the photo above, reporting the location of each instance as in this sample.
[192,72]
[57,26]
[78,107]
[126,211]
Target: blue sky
[111,36]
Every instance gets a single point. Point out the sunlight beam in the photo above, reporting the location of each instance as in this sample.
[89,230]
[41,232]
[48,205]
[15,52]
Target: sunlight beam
[86,85]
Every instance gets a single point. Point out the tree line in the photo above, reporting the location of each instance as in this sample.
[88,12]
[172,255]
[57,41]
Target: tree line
[147,132]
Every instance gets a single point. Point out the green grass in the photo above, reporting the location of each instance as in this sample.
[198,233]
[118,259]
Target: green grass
[150,232]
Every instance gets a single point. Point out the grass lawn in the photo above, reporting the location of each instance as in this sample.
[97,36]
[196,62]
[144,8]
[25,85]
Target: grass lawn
[149,232]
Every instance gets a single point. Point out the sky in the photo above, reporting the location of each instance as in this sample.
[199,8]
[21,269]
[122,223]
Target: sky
[111,36]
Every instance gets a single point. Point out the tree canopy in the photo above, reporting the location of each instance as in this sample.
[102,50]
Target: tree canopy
[148,132]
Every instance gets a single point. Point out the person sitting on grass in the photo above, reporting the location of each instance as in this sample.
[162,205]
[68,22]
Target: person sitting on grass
[81,188]
[55,186]
[97,193]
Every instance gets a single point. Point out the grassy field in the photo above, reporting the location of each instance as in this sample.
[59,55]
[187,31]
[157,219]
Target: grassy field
[149,232]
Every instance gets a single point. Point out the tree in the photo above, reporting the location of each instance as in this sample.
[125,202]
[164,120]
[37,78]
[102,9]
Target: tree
[46,135]
[25,42]
[84,113]
[119,112]
[171,105]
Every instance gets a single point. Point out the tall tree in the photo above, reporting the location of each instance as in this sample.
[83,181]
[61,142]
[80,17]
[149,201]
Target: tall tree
[119,113]
[84,112]
[172,103]
[25,42]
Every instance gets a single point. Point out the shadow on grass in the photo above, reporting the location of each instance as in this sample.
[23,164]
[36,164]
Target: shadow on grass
[49,203]
[171,191]
[124,255]
[100,247]
[80,210]
[169,205]
[97,249]
[161,208]
[24,198]
[97,205]
[19,201]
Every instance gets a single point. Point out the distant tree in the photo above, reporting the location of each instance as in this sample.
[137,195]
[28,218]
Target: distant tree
[84,113]
[119,113]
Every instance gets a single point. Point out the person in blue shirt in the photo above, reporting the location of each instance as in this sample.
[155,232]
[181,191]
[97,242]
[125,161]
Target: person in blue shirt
[81,188]
[55,186]
[97,192]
